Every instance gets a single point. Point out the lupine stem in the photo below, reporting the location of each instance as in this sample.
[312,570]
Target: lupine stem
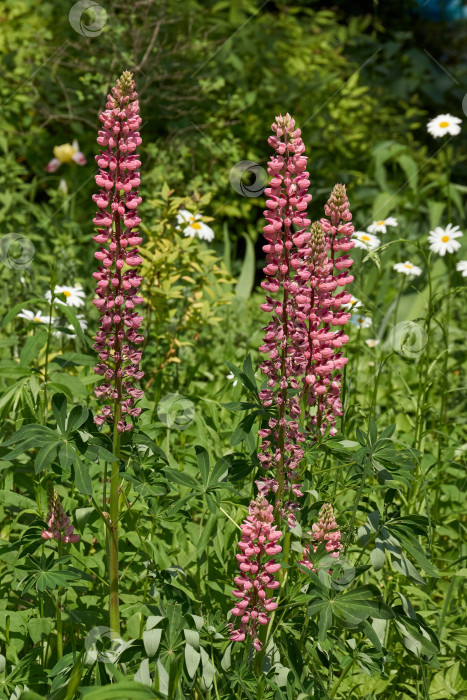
[113,539]
[59,610]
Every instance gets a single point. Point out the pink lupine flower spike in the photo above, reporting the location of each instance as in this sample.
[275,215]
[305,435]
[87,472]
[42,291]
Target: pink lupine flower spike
[117,279]
[58,522]
[259,542]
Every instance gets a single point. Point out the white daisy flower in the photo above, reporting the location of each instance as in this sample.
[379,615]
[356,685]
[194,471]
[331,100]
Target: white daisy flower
[372,343]
[462,267]
[186,217]
[444,124]
[366,240]
[194,226]
[75,296]
[407,268]
[200,229]
[380,226]
[361,321]
[35,316]
[443,240]
[231,376]
[353,304]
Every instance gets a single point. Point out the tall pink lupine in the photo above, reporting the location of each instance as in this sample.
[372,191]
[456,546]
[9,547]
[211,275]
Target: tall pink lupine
[287,236]
[324,272]
[118,338]
[258,544]
[117,279]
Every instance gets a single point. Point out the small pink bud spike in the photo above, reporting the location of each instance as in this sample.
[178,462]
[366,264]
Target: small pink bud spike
[117,278]
[325,530]
[259,542]
[58,522]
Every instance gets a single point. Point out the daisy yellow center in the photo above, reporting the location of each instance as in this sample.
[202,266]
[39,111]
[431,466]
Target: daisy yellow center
[445,239]
[366,238]
[380,223]
[65,153]
[37,319]
[443,125]
[196,226]
[192,218]
[67,294]
[360,320]
[408,266]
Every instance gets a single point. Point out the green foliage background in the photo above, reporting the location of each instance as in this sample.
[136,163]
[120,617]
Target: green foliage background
[361,83]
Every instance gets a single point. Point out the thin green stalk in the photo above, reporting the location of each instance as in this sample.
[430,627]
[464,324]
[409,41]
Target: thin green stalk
[59,610]
[340,679]
[47,351]
[444,611]
[113,538]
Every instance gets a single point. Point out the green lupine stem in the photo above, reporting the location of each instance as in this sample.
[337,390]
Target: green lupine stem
[113,536]
[340,679]
[47,351]
[59,610]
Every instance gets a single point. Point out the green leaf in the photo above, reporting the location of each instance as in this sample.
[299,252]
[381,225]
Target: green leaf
[32,347]
[66,455]
[202,458]
[181,478]
[71,318]
[192,660]
[83,480]
[151,640]
[40,627]
[325,621]
[246,279]
[78,415]
[46,455]
[59,408]
[16,500]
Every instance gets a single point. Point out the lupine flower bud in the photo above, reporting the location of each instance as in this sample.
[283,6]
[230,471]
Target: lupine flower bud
[58,522]
[325,530]
[117,278]
[259,542]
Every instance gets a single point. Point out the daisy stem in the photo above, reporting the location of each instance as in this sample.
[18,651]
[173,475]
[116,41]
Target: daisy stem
[47,350]
[448,181]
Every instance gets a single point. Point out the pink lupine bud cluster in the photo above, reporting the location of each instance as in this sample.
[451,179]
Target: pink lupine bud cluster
[325,530]
[59,527]
[287,235]
[259,542]
[322,305]
[117,220]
